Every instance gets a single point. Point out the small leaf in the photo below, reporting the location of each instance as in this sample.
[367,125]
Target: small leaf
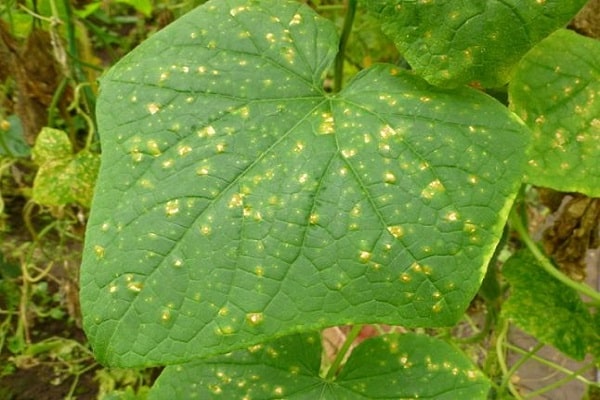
[555,91]
[62,177]
[387,367]
[52,183]
[12,141]
[51,144]
[547,309]
[143,6]
[238,201]
[451,43]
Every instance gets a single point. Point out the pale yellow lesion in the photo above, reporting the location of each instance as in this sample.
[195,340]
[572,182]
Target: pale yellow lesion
[397,231]
[135,286]
[184,150]
[270,37]
[327,125]
[172,208]
[153,108]
[296,19]
[99,251]
[387,132]
[236,200]
[255,318]
[207,131]
[364,256]
[236,10]
[153,147]
[389,177]
[434,188]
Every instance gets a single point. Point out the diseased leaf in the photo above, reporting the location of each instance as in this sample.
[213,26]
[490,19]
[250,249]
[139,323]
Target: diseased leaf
[450,43]
[555,91]
[387,367]
[237,201]
[62,177]
[547,309]
[51,144]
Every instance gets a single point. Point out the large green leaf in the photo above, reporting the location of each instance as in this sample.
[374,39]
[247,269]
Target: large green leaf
[450,43]
[547,309]
[237,201]
[388,367]
[555,91]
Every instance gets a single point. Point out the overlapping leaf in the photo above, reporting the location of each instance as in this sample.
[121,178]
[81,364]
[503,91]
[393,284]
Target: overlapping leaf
[388,367]
[555,91]
[451,43]
[237,201]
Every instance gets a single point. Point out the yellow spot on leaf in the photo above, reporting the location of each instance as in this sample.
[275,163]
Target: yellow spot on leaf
[235,11]
[389,177]
[153,147]
[254,318]
[364,256]
[99,251]
[207,131]
[183,150]
[327,125]
[296,20]
[135,286]
[237,200]
[396,230]
[153,108]
[172,208]
[433,188]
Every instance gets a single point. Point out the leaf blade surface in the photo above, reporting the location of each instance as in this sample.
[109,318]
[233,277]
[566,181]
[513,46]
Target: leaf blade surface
[237,201]
[478,42]
[555,93]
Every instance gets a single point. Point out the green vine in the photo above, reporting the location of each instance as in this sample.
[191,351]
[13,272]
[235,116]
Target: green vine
[341,55]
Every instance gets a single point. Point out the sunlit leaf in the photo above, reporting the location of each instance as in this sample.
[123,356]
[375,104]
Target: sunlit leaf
[556,92]
[388,367]
[451,43]
[238,201]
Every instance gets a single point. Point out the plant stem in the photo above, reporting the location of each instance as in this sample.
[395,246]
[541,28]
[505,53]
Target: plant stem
[545,263]
[341,355]
[73,52]
[549,363]
[341,55]
[560,382]
[526,357]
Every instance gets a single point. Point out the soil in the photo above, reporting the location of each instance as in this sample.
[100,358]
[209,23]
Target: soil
[36,384]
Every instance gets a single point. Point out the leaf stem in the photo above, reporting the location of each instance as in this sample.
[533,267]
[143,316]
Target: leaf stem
[501,359]
[341,55]
[549,363]
[560,382]
[517,224]
[342,353]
